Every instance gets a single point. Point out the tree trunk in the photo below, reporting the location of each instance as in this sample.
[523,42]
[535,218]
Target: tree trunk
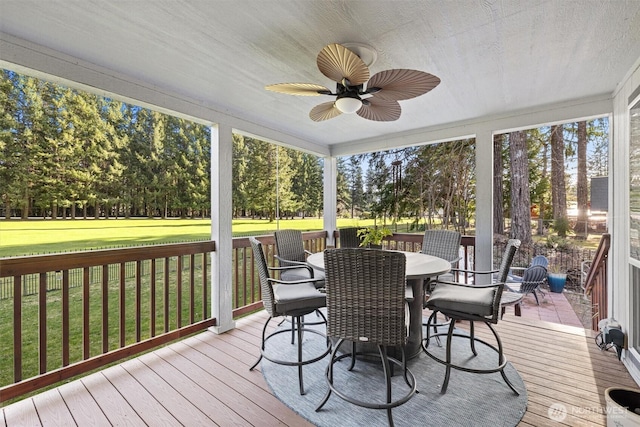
[498,198]
[558,187]
[543,207]
[520,197]
[582,192]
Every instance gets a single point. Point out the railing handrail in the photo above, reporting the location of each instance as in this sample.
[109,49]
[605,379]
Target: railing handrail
[34,264]
[599,262]
[595,286]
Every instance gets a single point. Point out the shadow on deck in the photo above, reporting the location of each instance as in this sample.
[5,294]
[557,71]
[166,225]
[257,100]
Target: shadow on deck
[205,380]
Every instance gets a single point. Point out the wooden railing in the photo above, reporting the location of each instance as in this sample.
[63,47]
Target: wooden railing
[595,284]
[100,323]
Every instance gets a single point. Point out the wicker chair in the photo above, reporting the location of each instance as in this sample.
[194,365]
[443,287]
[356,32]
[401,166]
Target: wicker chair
[349,237]
[444,244]
[458,301]
[471,303]
[291,253]
[530,282]
[287,298]
[366,304]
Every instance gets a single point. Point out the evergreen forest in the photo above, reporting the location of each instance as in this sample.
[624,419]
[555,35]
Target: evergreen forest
[66,153]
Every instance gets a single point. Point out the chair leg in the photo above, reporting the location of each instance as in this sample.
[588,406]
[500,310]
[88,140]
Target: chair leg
[353,356]
[264,330]
[536,295]
[472,334]
[298,321]
[387,377]
[329,374]
[447,375]
[501,360]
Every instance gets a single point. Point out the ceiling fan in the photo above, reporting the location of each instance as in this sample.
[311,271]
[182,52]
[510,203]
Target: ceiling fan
[378,102]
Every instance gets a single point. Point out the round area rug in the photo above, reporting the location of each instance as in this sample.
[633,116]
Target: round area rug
[470,400]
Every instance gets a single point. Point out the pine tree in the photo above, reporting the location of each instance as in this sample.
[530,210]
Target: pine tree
[520,196]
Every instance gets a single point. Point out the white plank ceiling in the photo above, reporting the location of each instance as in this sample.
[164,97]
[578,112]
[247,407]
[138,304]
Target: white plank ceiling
[492,56]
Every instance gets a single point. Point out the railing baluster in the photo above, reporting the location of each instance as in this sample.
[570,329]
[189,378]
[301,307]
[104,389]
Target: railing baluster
[105,308]
[138,316]
[86,335]
[166,294]
[17,328]
[205,306]
[42,323]
[179,292]
[152,296]
[65,317]
[123,314]
[192,283]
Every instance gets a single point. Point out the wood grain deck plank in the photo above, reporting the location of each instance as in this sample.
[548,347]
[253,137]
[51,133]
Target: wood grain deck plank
[85,410]
[209,373]
[22,413]
[111,402]
[247,383]
[241,407]
[142,402]
[52,410]
[184,411]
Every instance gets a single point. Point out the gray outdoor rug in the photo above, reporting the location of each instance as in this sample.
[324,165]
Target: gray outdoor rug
[471,399]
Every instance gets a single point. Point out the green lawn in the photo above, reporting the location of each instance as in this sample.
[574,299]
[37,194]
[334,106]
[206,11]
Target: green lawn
[39,236]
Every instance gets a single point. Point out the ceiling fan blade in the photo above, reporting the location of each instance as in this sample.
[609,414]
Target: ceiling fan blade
[337,62]
[324,111]
[399,84]
[380,110]
[303,89]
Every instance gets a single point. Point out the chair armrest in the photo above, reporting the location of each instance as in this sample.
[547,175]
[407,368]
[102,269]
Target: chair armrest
[290,282]
[492,285]
[460,270]
[300,263]
[287,267]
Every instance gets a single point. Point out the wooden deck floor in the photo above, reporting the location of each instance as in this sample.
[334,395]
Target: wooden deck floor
[205,380]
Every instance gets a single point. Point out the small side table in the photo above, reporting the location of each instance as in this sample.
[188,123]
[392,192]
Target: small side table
[511,298]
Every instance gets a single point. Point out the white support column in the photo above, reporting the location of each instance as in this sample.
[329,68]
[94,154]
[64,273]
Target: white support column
[221,215]
[484,203]
[330,192]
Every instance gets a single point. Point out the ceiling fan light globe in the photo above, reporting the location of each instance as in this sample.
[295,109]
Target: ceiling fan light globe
[348,105]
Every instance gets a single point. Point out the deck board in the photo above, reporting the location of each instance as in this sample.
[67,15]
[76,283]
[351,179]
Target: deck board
[205,380]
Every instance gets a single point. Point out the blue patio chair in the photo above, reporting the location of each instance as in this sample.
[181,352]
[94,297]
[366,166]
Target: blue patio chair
[532,279]
[515,273]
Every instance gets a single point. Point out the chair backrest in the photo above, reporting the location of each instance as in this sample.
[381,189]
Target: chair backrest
[507,259]
[290,246]
[533,277]
[349,237]
[444,244]
[540,260]
[263,272]
[365,291]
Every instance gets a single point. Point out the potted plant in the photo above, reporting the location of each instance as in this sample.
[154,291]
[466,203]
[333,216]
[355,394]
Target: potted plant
[372,236]
[556,278]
